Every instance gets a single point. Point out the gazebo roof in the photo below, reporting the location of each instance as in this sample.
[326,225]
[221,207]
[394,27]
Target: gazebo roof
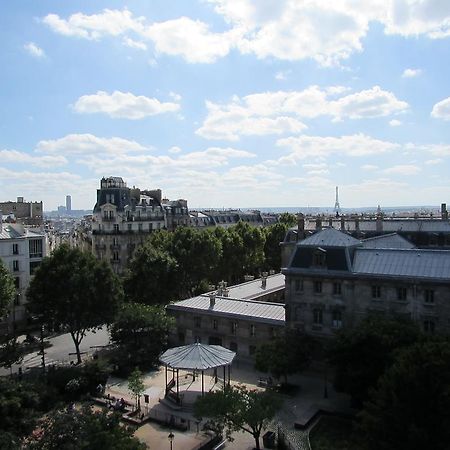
[197,357]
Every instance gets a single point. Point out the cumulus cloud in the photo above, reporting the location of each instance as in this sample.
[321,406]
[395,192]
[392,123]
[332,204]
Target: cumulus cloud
[14,156]
[395,123]
[124,105]
[411,73]
[403,169]
[369,167]
[279,112]
[313,146]
[78,144]
[138,45]
[34,50]
[441,110]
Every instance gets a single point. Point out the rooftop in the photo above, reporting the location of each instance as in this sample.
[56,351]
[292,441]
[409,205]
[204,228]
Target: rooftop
[329,237]
[392,240]
[18,231]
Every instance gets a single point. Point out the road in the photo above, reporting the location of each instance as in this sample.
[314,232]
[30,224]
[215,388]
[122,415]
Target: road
[59,352]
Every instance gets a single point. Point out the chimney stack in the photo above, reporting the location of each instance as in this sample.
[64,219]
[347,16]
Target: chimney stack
[330,222]
[264,280]
[318,223]
[444,212]
[342,223]
[212,300]
[300,227]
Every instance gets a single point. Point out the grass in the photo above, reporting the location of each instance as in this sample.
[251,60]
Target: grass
[332,433]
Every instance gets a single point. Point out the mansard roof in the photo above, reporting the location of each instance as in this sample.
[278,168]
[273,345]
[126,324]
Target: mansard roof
[392,240]
[329,237]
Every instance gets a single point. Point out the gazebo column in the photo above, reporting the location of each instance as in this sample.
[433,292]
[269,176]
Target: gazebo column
[224,377]
[203,385]
[165,395]
[229,375]
[178,386]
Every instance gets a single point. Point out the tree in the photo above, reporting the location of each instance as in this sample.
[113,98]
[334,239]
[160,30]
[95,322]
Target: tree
[252,256]
[75,290]
[362,354]
[82,430]
[288,219]
[272,250]
[7,290]
[141,333]
[285,355]
[410,408]
[152,277]
[230,264]
[136,386]
[238,409]
[11,352]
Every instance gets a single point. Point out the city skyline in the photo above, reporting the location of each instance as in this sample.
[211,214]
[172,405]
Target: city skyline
[227,103]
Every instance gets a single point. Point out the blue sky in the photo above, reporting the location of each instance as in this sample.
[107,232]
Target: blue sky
[227,102]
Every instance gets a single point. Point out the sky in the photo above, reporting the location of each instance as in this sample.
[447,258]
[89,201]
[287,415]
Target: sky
[227,103]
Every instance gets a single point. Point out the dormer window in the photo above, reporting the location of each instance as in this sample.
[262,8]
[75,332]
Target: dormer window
[319,257]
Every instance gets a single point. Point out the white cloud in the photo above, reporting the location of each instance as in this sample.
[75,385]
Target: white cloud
[78,144]
[123,105]
[369,167]
[325,31]
[411,73]
[441,110]
[313,146]
[34,50]
[138,45]
[403,169]
[175,149]
[282,75]
[271,112]
[434,162]
[395,123]
[14,156]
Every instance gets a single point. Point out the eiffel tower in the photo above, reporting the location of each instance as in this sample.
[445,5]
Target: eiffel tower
[337,207]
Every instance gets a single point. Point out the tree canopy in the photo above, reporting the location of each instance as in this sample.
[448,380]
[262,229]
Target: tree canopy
[7,290]
[75,290]
[285,355]
[362,354]
[238,409]
[82,430]
[410,408]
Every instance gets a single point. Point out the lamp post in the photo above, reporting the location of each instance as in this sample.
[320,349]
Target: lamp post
[170,437]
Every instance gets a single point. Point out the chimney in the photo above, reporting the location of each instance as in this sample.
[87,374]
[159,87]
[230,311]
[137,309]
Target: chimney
[318,223]
[444,212]
[330,222]
[212,300]
[357,225]
[300,227]
[379,225]
[264,280]
[342,223]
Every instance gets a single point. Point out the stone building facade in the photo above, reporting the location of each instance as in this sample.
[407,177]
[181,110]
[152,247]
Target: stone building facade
[334,280]
[26,213]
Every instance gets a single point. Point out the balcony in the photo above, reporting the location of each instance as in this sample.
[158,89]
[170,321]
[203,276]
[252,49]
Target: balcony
[108,219]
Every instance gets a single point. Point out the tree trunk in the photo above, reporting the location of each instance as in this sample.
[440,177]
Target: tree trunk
[256,436]
[77,350]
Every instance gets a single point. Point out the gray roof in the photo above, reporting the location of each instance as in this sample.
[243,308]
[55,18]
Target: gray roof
[329,237]
[253,289]
[416,263]
[266,312]
[392,240]
[197,357]
[18,231]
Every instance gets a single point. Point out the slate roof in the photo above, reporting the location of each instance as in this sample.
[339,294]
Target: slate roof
[197,357]
[392,240]
[266,312]
[414,263]
[329,237]
[14,231]
[253,289]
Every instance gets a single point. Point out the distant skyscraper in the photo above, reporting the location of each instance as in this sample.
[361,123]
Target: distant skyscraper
[68,203]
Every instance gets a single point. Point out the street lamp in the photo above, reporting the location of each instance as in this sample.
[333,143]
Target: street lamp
[170,437]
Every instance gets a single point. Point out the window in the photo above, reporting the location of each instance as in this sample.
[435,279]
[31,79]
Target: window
[429,296]
[318,287]
[401,293]
[17,300]
[234,326]
[116,228]
[317,316]
[116,256]
[233,347]
[17,282]
[319,257]
[15,249]
[35,247]
[130,226]
[337,288]
[252,330]
[15,265]
[298,285]
[337,319]
[198,339]
[215,324]
[33,266]
[197,322]
[140,227]
[150,226]
[429,326]
[115,241]
[376,291]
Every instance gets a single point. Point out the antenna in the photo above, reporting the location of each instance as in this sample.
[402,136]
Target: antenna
[337,207]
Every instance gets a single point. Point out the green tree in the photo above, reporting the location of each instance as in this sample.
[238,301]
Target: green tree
[272,250]
[288,219]
[252,256]
[74,289]
[141,333]
[11,352]
[362,354]
[238,409]
[136,386]
[153,275]
[7,290]
[83,430]
[410,408]
[230,266]
[285,355]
